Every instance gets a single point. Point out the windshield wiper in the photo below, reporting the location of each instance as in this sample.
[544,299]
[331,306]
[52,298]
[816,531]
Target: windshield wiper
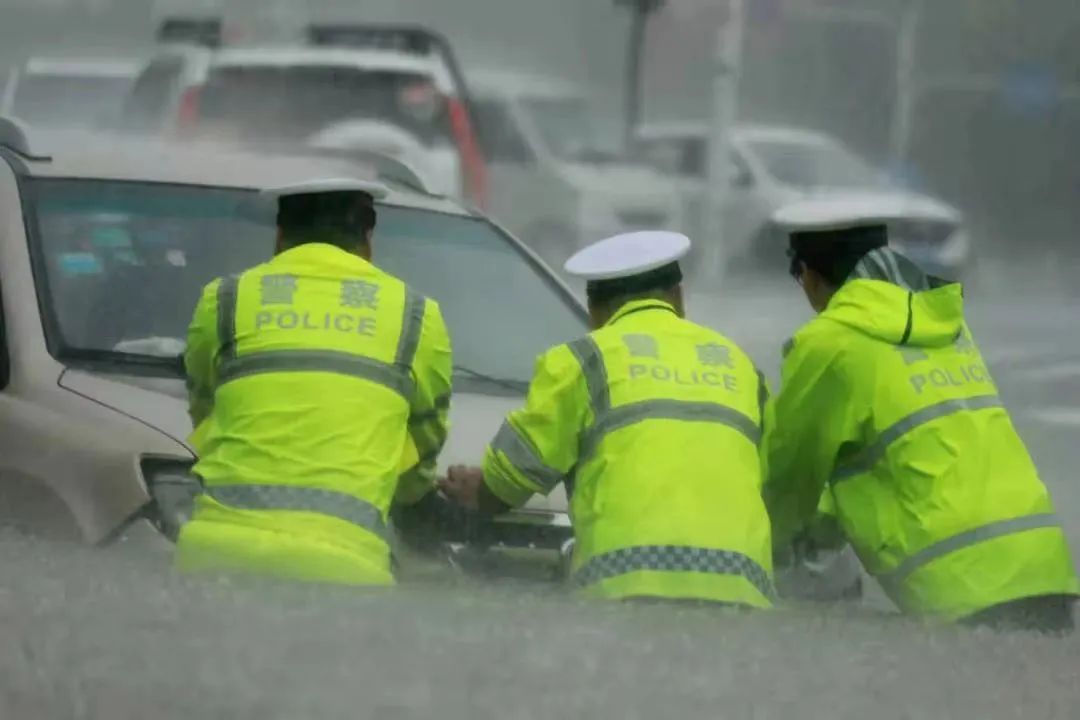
[517,386]
[111,360]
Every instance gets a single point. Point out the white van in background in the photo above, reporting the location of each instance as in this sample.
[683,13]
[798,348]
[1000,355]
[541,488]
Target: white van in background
[553,182]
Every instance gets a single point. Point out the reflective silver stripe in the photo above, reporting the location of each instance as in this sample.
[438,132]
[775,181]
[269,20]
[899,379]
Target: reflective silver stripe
[966,539]
[627,415]
[592,366]
[524,458]
[868,458]
[283,497]
[412,324]
[393,377]
[673,558]
[442,403]
[226,316]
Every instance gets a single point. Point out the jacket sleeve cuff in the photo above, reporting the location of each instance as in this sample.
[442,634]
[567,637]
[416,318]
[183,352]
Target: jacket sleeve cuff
[503,485]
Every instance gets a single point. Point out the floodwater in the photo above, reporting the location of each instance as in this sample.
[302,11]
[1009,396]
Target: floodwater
[115,634]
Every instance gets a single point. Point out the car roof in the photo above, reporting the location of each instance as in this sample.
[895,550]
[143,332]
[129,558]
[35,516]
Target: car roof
[285,56]
[82,66]
[290,56]
[744,132]
[521,84]
[206,164]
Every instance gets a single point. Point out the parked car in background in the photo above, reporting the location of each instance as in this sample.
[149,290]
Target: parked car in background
[554,182]
[103,257]
[774,166]
[387,88]
[67,91]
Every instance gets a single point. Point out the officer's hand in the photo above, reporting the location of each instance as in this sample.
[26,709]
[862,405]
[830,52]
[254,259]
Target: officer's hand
[462,485]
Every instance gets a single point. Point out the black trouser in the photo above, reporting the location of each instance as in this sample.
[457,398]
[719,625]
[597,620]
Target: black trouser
[684,602]
[1049,614]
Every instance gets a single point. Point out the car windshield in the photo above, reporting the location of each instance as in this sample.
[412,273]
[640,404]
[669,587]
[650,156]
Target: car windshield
[122,265]
[809,165]
[292,103]
[566,128]
[67,100]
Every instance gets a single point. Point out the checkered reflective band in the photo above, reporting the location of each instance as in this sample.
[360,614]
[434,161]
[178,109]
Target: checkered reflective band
[673,558]
[301,499]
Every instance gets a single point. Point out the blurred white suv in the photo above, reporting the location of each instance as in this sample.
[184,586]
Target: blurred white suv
[390,89]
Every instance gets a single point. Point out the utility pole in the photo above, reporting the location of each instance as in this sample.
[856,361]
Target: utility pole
[727,71]
[640,10]
[906,90]
[906,34]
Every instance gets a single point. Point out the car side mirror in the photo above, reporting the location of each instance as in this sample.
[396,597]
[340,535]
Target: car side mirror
[5,356]
[742,179]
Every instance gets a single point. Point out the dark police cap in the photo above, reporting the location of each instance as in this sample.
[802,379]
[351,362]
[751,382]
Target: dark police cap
[834,224]
[342,202]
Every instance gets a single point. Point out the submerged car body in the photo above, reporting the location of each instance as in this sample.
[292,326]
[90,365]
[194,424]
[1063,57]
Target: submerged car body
[104,250]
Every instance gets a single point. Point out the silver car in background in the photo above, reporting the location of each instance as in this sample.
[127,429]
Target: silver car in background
[775,166]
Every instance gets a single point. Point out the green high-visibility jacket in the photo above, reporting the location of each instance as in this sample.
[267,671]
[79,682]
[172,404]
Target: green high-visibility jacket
[887,405]
[654,423]
[319,388]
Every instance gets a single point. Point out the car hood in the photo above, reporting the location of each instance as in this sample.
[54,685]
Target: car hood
[162,404]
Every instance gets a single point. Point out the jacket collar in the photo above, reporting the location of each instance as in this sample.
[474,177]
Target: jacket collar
[636,306]
[322,253]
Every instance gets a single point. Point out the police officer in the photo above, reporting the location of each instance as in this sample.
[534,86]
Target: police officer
[888,406]
[653,423]
[319,387]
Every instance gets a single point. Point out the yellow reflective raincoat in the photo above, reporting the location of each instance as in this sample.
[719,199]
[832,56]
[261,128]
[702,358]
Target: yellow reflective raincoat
[654,423]
[319,388]
[887,405]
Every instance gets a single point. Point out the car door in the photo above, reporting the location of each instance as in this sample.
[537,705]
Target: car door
[745,208]
[514,198]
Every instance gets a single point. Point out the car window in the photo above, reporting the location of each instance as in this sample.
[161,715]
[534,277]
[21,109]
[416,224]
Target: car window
[502,311]
[151,97]
[126,262]
[567,129]
[67,100]
[687,157]
[814,164]
[503,141]
[294,103]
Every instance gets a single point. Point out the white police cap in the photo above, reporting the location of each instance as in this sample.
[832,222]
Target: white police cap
[629,255]
[376,190]
[825,215]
